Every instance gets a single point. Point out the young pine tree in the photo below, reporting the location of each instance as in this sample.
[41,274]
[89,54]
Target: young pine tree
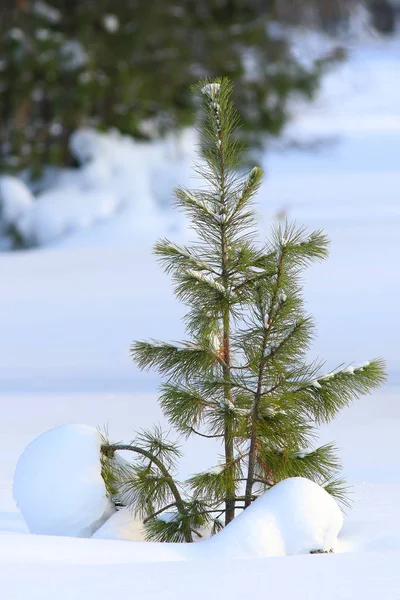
[242,376]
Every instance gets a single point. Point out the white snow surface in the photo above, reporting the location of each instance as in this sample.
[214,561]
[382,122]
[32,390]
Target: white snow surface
[69,313]
[58,485]
[122,525]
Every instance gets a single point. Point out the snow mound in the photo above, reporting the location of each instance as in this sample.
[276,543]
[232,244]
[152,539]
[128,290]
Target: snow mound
[121,526]
[58,485]
[15,199]
[296,516]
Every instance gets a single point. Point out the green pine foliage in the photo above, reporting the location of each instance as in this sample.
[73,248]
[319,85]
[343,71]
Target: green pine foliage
[242,376]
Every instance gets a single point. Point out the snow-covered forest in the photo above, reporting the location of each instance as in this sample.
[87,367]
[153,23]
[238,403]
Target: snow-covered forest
[98,127]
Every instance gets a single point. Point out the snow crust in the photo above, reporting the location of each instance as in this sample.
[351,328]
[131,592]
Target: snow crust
[58,485]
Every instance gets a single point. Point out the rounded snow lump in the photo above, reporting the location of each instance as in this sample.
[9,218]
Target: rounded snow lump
[58,485]
[295,516]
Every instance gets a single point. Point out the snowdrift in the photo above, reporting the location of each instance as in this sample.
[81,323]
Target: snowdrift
[60,491]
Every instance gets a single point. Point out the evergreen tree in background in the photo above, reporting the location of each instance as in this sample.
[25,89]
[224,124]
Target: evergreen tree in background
[242,377]
[129,64]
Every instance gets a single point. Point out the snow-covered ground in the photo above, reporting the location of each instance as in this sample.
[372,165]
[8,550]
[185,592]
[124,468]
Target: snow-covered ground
[70,310]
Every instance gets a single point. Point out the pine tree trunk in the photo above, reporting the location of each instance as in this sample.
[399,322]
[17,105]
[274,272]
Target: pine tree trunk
[228,434]
[253,439]
[251,469]
[253,443]
[228,437]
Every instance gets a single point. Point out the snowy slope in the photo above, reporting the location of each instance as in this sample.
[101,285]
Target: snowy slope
[68,314]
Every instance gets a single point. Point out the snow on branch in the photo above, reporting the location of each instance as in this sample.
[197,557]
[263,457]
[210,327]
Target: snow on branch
[212,91]
[207,279]
[175,257]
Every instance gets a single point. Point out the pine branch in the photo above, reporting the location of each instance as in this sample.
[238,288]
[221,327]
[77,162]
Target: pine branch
[170,531]
[109,450]
[183,406]
[319,465]
[204,435]
[212,486]
[175,258]
[301,248]
[250,189]
[159,512]
[322,398]
[339,490]
[179,362]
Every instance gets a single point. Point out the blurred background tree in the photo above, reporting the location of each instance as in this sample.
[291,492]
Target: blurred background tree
[129,64]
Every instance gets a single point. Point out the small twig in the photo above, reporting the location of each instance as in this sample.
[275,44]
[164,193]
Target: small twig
[264,481]
[197,533]
[243,498]
[259,480]
[158,512]
[275,387]
[204,435]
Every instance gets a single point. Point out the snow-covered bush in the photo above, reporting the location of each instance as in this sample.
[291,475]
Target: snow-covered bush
[120,181]
[58,485]
[16,201]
